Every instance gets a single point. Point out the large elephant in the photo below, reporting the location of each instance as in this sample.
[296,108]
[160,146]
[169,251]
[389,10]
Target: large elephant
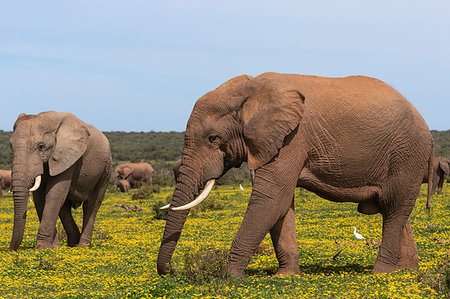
[5,180]
[65,163]
[352,139]
[441,167]
[133,173]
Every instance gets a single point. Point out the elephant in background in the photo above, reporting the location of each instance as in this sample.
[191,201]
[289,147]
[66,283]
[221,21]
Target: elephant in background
[133,173]
[123,185]
[352,139]
[65,163]
[176,169]
[441,167]
[5,180]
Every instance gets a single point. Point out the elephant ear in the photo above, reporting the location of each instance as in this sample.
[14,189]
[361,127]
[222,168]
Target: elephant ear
[127,171]
[71,142]
[271,111]
[444,164]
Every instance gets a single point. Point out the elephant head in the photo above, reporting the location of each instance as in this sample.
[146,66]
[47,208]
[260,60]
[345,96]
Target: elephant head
[44,144]
[244,119]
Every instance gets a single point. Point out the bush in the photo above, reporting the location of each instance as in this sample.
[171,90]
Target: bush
[206,264]
[145,192]
[157,204]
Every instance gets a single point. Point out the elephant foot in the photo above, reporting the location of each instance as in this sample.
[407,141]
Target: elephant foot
[288,271]
[42,245]
[236,272]
[408,255]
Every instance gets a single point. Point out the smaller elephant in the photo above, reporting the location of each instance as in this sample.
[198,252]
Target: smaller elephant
[176,169]
[65,163]
[123,185]
[5,180]
[441,167]
[133,173]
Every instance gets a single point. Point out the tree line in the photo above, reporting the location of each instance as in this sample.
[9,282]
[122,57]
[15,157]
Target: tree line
[161,149]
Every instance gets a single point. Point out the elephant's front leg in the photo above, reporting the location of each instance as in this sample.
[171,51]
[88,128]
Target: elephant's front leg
[56,192]
[271,199]
[284,241]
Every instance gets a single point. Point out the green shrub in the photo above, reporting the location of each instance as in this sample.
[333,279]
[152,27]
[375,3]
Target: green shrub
[157,204]
[145,192]
[206,264]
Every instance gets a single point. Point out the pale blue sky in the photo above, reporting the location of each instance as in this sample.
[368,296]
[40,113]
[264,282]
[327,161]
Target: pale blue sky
[141,65]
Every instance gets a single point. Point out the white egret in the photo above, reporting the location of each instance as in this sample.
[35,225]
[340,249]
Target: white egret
[358,236]
[241,187]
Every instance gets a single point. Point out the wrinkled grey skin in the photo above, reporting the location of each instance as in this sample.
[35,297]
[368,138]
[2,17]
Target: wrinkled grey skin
[352,139]
[74,160]
[5,180]
[134,173]
[441,168]
[123,185]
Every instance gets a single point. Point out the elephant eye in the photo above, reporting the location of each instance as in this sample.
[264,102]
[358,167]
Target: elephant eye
[41,147]
[213,138]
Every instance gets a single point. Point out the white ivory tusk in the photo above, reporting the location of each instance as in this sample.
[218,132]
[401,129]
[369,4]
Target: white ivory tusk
[165,207]
[37,183]
[200,198]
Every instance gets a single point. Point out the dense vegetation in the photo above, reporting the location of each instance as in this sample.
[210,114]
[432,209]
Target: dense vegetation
[121,262]
[161,149]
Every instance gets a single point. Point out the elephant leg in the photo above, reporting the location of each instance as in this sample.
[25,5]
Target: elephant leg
[39,203]
[70,226]
[56,193]
[90,209]
[284,241]
[440,184]
[398,249]
[272,194]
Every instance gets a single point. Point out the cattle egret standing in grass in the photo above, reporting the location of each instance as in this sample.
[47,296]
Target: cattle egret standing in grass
[241,187]
[358,236]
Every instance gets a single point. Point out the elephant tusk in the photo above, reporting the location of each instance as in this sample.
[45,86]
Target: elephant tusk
[37,183]
[200,198]
[165,207]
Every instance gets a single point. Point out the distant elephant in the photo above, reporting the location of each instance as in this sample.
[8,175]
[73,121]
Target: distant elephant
[65,163]
[176,169]
[441,167]
[5,180]
[352,139]
[123,185]
[133,173]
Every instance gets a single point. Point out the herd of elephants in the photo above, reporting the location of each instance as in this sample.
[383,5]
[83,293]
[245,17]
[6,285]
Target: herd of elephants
[352,139]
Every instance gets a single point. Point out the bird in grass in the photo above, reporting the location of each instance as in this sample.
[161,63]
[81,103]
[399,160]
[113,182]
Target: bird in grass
[358,236]
[241,187]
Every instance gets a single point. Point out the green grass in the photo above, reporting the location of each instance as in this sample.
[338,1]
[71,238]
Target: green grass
[121,262]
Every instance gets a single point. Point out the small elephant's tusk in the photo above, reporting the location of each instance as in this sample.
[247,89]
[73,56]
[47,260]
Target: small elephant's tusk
[37,183]
[165,207]
[200,198]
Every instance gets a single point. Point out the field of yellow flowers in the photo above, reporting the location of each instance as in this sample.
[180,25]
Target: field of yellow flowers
[121,262]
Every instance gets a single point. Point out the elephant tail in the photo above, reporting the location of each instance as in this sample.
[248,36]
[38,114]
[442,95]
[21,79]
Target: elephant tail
[430,177]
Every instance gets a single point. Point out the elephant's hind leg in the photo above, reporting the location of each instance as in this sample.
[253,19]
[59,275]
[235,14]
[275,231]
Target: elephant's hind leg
[90,209]
[398,249]
[284,241]
[70,226]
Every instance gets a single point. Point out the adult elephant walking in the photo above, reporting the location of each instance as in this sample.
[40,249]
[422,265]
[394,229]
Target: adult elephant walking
[65,163]
[133,173]
[5,180]
[352,139]
[441,167]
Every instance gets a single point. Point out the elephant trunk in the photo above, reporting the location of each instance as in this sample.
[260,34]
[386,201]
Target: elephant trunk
[21,184]
[185,190]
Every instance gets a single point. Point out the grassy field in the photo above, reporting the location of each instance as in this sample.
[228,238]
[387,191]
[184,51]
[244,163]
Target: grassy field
[121,262]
